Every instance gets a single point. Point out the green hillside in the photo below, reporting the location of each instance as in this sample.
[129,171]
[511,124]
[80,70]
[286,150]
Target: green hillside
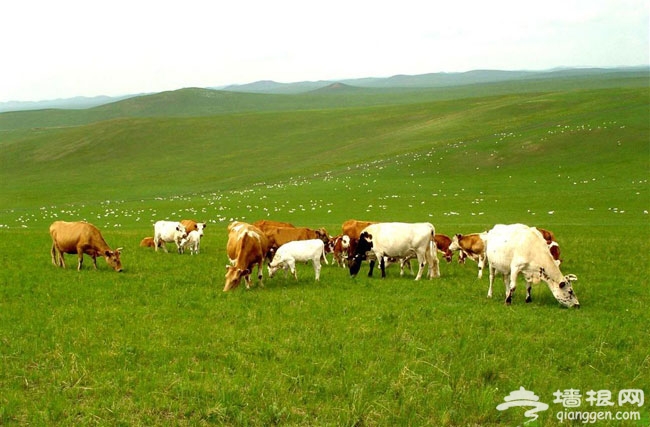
[161,344]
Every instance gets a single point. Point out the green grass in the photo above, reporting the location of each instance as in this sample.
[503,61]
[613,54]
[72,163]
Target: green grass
[162,344]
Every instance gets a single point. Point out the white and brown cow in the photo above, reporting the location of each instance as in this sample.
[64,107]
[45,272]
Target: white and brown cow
[518,249]
[398,240]
[81,238]
[470,246]
[339,247]
[168,231]
[247,246]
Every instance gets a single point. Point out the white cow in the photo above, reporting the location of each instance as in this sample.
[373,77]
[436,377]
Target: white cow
[398,240]
[168,231]
[517,248]
[193,240]
[299,250]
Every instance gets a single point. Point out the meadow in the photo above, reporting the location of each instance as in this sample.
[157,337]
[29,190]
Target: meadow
[161,344]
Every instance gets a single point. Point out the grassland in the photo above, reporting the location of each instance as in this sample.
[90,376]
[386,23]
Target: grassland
[161,344]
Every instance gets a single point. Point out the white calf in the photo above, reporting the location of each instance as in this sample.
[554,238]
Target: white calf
[193,240]
[300,250]
[168,231]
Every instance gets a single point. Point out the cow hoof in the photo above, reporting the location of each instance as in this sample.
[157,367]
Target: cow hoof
[528,299]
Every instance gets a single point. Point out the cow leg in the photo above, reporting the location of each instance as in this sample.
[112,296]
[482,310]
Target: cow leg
[481,264]
[529,285]
[492,271]
[260,275]
[382,266]
[432,259]
[80,259]
[317,268]
[513,285]
[372,266]
[95,261]
[292,268]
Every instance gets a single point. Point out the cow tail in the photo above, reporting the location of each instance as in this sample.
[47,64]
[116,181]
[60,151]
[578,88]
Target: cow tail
[324,256]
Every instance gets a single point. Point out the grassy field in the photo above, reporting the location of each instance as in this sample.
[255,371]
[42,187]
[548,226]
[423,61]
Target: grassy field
[162,344]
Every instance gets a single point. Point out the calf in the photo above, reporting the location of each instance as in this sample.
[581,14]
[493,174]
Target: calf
[247,246]
[193,240]
[472,246]
[300,250]
[168,231]
[339,248]
[397,239]
[81,238]
[516,248]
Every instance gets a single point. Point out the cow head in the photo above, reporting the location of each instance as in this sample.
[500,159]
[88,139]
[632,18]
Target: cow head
[563,291]
[113,259]
[234,276]
[363,246]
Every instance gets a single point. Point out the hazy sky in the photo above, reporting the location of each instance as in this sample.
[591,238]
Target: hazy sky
[65,48]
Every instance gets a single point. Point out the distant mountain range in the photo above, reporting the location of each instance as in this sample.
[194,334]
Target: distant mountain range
[431,80]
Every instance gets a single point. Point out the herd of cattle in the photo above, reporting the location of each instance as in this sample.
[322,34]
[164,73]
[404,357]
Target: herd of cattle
[509,250]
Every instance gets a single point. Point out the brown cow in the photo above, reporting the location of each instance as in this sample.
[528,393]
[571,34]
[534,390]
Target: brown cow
[442,243]
[148,242]
[191,225]
[247,245]
[472,246]
[278,236]
[263,224]
[81,238]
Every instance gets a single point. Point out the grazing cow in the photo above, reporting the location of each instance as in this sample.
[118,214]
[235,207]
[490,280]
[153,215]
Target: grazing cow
[339,248]
[193,240]
[247,246]
[517,248]
[191,225]
[397,239]
[300,250]
[168,231]
[81,238]
[278,236]
[470,246]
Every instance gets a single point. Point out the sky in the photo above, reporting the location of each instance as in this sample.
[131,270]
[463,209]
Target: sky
[66,48]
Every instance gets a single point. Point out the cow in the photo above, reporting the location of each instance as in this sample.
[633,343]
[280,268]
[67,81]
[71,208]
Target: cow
[193,240]
[470,246]
[81,238]
[191,225]
[247,246]
[353,228]
[148,242]
[516,248]
[442,244]
[397,239]
[339,248]
[168,231]
[278,236]
[299,250]
[263,224]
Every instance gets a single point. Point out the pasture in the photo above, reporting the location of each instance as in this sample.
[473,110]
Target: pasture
[161,343]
